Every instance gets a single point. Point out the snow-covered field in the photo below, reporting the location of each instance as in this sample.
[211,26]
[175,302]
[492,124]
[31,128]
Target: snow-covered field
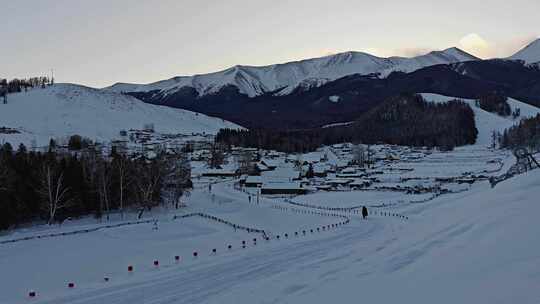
[66,109]
[473,159]
[476,246]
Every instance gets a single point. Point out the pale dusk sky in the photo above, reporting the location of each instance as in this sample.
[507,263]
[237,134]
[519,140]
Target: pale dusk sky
[98,43]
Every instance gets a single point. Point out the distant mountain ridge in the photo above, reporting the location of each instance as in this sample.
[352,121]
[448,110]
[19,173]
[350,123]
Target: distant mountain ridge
[282,79]
[530,54]
[339,88]
[347,98]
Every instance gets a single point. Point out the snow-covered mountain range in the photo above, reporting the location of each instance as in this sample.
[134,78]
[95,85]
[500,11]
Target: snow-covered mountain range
[67,109]
[530,54]
[282,79]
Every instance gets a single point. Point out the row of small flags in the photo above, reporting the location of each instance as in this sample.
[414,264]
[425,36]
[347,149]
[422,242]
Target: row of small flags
[177,258]
[354,210]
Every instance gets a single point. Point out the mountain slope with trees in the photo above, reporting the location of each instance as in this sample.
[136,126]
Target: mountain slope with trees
[346,99]
[406,119]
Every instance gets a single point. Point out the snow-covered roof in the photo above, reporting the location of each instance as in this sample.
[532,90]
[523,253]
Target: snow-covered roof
[348,170]
[261,167]
[219,171]
[339,181]
[270,162]
[253,179]
[281,186]
[359,182]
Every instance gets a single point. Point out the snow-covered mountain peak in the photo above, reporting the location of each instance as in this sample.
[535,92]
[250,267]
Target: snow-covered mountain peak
[529,54]
[457,53]
[286,77]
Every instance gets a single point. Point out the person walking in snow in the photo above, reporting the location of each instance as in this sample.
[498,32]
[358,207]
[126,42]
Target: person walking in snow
[364,212]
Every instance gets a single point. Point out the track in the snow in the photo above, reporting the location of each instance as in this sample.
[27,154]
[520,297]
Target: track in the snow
[199,282]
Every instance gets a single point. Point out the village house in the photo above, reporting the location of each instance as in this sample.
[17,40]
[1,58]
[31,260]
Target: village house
[253,182]
[341,182]
[360,184]
[220,173]
[269,163]
[290,188]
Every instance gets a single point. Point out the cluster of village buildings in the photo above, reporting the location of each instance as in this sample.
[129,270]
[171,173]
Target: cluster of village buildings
[332,168]
[390,168]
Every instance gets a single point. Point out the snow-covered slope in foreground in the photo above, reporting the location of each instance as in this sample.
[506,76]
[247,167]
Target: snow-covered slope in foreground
[487,122]
[529,54]
[479,246]
[66,109]
[254,81]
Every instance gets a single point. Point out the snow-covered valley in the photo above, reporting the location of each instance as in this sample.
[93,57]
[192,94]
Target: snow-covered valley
[269,152]
[472,244]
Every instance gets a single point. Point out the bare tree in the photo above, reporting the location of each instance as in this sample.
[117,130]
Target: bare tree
[245,162]
[495,139]
[104,183]
[298,163]
[359,155]
[55,195]
[148,180]
[369,156]
[121,165]
[3,90]
[90,171]
[3,175]
[177,177]
[216,156]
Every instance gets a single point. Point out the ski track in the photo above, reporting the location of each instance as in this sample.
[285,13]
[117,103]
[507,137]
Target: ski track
[199,282]
[184,285]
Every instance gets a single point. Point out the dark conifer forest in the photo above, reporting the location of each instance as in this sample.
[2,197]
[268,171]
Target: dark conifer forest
[525,134]
[53,186]
[403,120]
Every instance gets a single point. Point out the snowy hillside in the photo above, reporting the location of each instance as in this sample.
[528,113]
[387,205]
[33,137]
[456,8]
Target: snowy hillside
[487,122]
[254,81]
[67,109]
[529,54]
